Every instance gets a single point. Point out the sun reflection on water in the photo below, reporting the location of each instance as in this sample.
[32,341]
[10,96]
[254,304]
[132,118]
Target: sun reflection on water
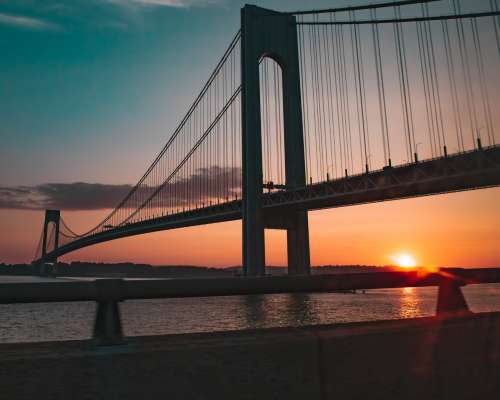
[409,303]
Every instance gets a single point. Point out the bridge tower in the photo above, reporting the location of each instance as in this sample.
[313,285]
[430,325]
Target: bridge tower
[51,216]
[266,33]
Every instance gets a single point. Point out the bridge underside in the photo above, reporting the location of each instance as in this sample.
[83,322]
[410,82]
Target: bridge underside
[465,171]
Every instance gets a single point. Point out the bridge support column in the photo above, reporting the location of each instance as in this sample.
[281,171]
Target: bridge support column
[51,216]
[451,299]
[107,325]
[297,241]
[267,33]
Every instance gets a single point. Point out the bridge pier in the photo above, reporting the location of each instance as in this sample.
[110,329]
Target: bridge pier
[451,300]
[107,325]
[267,33]
[297,240]
[297,237]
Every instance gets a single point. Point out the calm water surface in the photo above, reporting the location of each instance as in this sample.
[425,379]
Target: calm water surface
[57,321]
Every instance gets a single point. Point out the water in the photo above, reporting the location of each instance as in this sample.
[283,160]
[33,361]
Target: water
[64,321]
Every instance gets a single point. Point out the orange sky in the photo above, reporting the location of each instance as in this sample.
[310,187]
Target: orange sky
[460,229]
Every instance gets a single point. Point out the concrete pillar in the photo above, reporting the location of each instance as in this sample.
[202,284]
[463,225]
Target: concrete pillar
[451,299]
[266,33]
[298,245]
[107,326]
[253,222]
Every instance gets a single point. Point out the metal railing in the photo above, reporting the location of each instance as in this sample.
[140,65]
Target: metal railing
[108,293]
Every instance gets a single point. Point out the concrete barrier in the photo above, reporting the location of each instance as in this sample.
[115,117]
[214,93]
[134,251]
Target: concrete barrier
[424,358]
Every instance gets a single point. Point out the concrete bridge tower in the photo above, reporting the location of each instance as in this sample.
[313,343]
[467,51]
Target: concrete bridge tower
[51,216]
[266,33]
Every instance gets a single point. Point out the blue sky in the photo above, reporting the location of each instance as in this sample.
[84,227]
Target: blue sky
[91,90]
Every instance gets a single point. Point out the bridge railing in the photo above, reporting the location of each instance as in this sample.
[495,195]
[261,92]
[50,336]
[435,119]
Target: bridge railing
[108,293]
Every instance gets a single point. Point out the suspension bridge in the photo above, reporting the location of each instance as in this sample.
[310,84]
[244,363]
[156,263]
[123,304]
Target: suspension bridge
[321,109]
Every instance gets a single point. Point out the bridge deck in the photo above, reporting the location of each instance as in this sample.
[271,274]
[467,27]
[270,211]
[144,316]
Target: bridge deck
[464,171]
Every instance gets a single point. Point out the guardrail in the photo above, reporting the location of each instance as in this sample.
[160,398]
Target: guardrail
[109,292]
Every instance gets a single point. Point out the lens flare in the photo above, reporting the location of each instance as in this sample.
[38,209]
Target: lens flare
[405,260]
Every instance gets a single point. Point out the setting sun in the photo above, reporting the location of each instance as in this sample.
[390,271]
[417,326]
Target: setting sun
[405,260]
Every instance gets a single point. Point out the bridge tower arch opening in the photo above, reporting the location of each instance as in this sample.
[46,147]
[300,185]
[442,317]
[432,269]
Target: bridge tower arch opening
[265,35]
[272,133]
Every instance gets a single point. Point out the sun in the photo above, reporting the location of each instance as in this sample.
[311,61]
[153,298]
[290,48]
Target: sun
[405,260]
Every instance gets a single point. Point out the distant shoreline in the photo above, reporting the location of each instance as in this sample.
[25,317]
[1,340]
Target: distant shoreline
[131,270]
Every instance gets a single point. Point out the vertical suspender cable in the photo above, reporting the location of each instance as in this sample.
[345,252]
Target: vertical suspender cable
[314,89]
[426,79]
[366,136]
[337,148]
[346,98]
[381,91]
[341,112]
[317,105]
[402,86]
[466,70]
[482,80]
[453,85]
[359,94]
[330,130]
[305,98]
[321,105]
[407,89]
[354,44]
[435,83]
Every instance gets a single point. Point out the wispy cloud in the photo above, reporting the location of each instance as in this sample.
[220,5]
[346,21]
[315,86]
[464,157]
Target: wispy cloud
[68,196]
[30,23]
[204,184]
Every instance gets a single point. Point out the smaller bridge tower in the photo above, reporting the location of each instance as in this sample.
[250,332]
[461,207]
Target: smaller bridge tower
[51,216]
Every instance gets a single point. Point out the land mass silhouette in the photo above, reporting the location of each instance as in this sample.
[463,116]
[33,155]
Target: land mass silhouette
[132,270]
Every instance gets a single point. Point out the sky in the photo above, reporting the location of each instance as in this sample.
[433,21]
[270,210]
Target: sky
[91,90]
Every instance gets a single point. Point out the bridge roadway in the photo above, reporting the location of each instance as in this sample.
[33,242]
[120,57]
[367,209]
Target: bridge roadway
[462,171]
